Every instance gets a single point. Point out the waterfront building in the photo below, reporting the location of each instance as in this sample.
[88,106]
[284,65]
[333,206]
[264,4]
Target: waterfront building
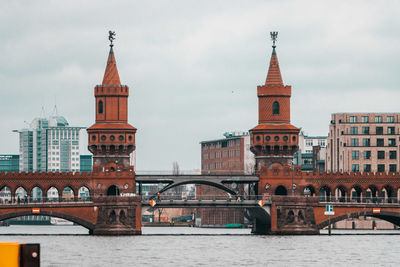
[229,155]
[86,163]
[363,142]
[9,163]
[312,152]
[49,144]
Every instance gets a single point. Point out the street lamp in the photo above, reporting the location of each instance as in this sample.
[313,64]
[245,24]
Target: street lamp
[116,178]
[292,177]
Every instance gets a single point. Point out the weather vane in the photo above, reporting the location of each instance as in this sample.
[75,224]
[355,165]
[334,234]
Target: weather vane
[274,36]
[111,37]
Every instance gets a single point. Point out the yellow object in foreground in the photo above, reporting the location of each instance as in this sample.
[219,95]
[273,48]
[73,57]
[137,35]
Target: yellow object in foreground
[9,254]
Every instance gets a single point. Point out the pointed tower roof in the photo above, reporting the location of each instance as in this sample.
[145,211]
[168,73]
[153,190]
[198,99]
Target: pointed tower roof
[111,76]
[274,76]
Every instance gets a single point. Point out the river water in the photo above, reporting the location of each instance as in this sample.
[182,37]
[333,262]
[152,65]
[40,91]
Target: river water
[181,246]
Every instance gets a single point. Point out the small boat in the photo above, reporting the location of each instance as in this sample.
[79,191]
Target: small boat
[59,221]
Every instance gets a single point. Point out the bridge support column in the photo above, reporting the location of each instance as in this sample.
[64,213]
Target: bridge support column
[261,220]
[118,216]
[293,216]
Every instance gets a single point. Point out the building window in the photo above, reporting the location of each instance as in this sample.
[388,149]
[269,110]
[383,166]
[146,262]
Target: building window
[366,142]
[392,167]
[381,167]
[390,130]
[355,168]
[103,137]
[378,119]
[389,119]
[100,107]
[364,119]
[309,142]
[121,138]
[355,154]
[112,137]
[276,138]
[275,108]
[367,167]
[268,138]
[365,130]
[354,141]
[379,130]
[381,154]
[393,154]
[205,156]
[353,119]
[392,142]
[353,130]
[322,143]
[380,142]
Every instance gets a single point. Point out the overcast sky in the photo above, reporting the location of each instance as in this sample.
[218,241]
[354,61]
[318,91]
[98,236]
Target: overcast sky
[193,66]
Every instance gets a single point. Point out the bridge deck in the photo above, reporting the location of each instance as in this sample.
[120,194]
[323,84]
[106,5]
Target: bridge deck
[212,178]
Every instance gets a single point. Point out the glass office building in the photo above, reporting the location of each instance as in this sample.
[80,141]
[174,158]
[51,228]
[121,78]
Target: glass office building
[9,163]
[49,144]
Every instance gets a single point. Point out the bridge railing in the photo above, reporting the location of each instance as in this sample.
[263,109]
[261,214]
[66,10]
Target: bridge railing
[363,200]
[203,198]
[23,201]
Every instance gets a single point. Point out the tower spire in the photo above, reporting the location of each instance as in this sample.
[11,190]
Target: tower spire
[274,76]
[111,76]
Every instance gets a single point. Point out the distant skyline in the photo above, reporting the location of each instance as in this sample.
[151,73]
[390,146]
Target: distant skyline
[193,66]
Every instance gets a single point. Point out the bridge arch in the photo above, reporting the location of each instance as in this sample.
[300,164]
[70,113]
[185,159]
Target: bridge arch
[280,191]
[390,216]
[88,225]
[356,193]
[309,189]
[213,184]
[68,193]
[53,194]
[36,194]
[340,193]
[325,193]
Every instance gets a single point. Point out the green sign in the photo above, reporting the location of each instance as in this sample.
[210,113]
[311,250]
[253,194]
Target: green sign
[329,208]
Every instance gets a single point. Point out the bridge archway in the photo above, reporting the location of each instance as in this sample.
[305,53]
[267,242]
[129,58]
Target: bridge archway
[392,217]
[113,190]
[340,193]
[202,182]
[5,194]
[280,191]
[21,194]
[67,194]
[309,190]
[325,193]
[356,193]
[84,193]
[52,194]
[371,192]
[387,193]
[88,225]
[36,194]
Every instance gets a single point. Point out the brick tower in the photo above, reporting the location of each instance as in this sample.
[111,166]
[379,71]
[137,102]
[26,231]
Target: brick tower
[111,138]
[274,139]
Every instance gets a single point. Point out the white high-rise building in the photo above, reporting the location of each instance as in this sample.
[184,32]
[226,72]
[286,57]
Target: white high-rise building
[49,144]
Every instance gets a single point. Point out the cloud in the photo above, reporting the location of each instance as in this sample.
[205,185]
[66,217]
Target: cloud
[193,66]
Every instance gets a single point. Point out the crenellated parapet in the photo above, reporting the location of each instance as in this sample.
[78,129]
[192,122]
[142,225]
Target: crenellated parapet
[330,183]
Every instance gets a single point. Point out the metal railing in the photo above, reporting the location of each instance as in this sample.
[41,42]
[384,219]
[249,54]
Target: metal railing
[44,200]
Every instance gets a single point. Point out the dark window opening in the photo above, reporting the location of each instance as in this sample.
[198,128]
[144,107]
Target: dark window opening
[275,108]
[100,107]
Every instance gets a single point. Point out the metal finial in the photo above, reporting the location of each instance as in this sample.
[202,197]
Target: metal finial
[111,37]
[274,36]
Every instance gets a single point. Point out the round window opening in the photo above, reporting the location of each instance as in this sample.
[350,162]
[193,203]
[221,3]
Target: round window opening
[112,137]
[257,138]
[103,137]
[268,138]
[294,138]
[285,138]
[130,138]
[121,138]
[276,138]
[93,137]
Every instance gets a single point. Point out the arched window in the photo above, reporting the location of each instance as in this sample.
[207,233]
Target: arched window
[275,108]
[100,107]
